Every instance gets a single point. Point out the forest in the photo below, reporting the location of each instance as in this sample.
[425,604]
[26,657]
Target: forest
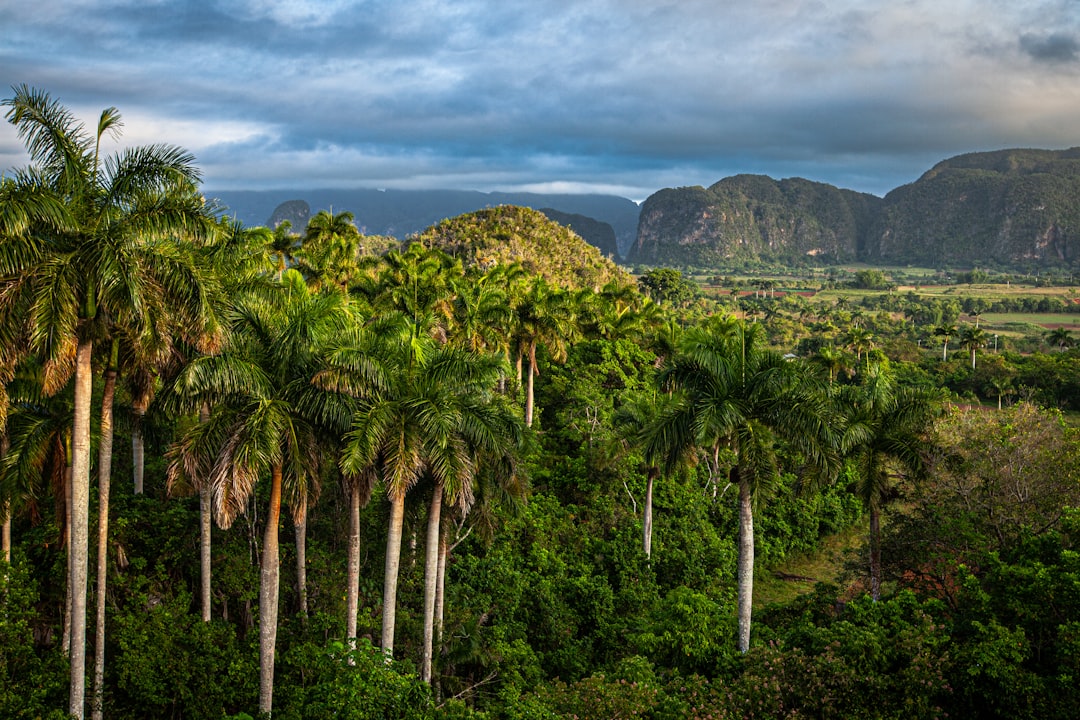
[250,472]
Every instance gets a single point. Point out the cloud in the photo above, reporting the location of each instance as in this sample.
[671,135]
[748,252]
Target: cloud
[1054,48]
[628,94]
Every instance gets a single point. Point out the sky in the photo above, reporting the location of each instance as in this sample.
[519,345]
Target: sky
[606,96]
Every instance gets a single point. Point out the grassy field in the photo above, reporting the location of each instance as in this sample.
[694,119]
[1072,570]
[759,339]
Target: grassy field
[798,575]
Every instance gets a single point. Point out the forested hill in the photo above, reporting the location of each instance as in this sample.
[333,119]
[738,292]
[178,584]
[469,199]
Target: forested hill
[753,217]
[1004,207]
[1008,206]
[401,213]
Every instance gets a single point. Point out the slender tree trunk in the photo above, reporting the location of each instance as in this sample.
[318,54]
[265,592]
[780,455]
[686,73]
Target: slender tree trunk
[65,641]
[104,478]
[529,386]
[745,562]
[5,533]
[393,560]
[206,497]
[431,575]
[300,527]
[268,596]
[646,523]
[352,592]
[205,517]
[945,350]
[440,587]
[875,552]
[80,516]
[138,447]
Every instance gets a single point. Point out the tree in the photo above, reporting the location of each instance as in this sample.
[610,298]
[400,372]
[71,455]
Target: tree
[972,337]
[1060,336]
[731,392]
[667,285]
[884,431]
[545,317]
[268,418]
[111,253]
[945,332]
[420,423]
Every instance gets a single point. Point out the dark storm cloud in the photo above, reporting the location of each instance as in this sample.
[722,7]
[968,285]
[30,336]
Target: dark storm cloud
[1056,48]
[622,95]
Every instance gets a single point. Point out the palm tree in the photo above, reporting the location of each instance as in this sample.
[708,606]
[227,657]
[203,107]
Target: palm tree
[972,338]
[268,418]
[630,424]
[730,391]
[418,425]
[111,253]
[945,332]
[1060,336]
[833,361]
[884,431]
[487,436]
[545,317]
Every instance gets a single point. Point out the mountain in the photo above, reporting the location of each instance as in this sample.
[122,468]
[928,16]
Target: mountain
[753,217]
[598,234]
[1007,207]
[509,233]
[402,213]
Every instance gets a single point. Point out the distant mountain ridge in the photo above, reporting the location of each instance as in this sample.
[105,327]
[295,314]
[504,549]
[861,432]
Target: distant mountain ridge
[1004,207]
[401,213]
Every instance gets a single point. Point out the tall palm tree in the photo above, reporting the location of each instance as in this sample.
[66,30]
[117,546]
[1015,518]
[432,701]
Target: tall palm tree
[945,331]
[114,251]
[884,432]
[545,317]
[630,424]
[730,391]
[486,432]
[414,427]
[972,337]
[267,418]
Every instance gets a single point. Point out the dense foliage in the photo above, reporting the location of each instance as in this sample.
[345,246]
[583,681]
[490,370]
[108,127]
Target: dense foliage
[516,500]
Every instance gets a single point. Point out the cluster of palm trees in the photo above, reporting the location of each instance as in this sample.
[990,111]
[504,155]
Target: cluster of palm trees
[297,360]
[282,357]
[730,392]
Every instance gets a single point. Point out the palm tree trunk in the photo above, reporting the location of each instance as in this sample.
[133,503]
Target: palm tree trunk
[104,477]
[745,562]
[80,531]
[352,580]
[431,575]
[440,587]
[529,387]
[5,533]
[300,527]
[875,553]
[205,516]
[945,350]
[138,446]
[646,523]
[65,641]
[393,560]
[268,595]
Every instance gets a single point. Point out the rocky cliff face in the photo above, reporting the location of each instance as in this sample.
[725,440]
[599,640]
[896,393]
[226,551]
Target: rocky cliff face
[753,217]
[1005,207]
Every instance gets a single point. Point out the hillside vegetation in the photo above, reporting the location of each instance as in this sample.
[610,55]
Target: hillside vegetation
[1007,208]
[510,234]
